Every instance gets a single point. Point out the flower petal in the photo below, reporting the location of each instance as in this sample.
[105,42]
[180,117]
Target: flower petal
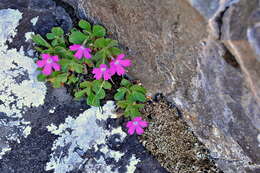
[143,123]
[75,47]
[47,69]
[120,56]
[112,70]
[56,66]
[41,63]
[97,72]
[120,70]
[79,54]
[131,130]
[45,56]
[87,54]
[88,49]
[139,130]
[103,66]
[129,124]
[55,58]
[137,119]
[107,75]
[125,63]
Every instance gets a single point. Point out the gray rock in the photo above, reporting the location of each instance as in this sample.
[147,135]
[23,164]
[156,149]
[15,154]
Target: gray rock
[29,108]
[241,36]
[175,49]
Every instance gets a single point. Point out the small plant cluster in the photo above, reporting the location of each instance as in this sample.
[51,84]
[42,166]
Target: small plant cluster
[87,60]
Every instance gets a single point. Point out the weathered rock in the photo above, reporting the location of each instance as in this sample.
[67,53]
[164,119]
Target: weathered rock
[176,51]
[240,33]
[31,113]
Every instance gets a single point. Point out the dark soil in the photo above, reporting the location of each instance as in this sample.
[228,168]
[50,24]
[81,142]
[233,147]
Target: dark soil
[172,143]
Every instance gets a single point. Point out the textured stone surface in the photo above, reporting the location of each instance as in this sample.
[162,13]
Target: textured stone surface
[151,33]
[41,126]
[176,51]
[240,33]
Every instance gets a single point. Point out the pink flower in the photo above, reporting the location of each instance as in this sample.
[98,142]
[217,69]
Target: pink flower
[80,51]
[48,63]
[102,71]
[117,65]
[137,124]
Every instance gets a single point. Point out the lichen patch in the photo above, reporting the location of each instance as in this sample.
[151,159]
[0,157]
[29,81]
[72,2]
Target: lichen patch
[19,88]
[78,136]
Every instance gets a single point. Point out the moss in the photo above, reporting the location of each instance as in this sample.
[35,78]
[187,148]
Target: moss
[172,143]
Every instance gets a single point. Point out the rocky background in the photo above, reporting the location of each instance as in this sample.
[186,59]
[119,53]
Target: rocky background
[42,129]
[203,55]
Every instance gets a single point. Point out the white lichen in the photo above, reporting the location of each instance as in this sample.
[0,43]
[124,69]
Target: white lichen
[28,36]
[84,133]
[34,20]
[19,88]
[132,164]
[52,110]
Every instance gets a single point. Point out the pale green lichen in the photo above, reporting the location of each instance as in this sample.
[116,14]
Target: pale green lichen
[19,88]
[85,133]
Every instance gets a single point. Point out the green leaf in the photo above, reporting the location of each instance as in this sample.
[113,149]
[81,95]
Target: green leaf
[85,84]
[111,43]
[120,94]
[50,36]
[49,51]
[54,42]
[72,79]
[58,31]
[92,100]
[56,84]
[59,79]
[100,43]
[40,41]
[54,74]
[65,63]
[39,49]
[124,103]
[62,77]
[77,67]
[96,85]
[62,52]
[99,55]
[79,94]
[107,85]
[41,77]
[139,96]
[77,37]
[132,111]
[100,94]
[88,62]
[138,88]
[85,25]
[99,31]
[115,51]
[139,106]
[125,82]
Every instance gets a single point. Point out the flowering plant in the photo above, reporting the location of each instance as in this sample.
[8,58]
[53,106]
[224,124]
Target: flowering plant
[88,61]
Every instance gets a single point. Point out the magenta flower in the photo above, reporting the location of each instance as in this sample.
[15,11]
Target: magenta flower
[117,65]
[48,63]
[137,124]
[102,71]
[80,51]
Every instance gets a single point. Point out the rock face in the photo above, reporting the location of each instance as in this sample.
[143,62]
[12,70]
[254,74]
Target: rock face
[241,34]
[177,47]
[43,129]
